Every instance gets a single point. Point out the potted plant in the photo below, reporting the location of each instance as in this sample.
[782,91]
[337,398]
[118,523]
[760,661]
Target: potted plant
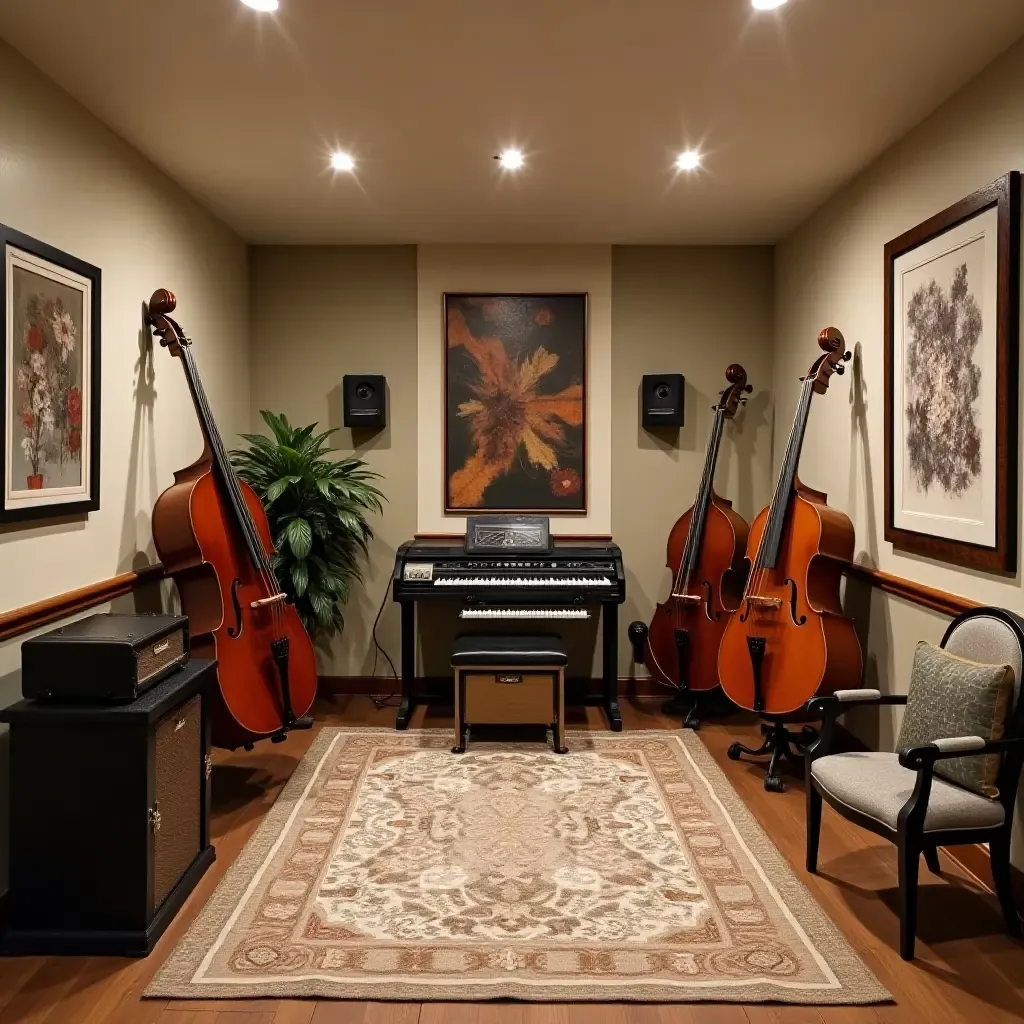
[317,509]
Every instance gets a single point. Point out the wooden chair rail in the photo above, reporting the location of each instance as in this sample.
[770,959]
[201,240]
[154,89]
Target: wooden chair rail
[917,593]
[32,616]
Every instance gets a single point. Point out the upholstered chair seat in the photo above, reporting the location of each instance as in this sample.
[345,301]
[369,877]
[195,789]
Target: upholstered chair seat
[874,783]
[955,779]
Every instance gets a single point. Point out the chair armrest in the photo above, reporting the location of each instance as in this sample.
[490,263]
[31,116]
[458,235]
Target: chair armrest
[842,700]
[916,758]
[828,709]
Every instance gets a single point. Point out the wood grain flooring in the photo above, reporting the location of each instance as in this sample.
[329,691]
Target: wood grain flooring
[967,968]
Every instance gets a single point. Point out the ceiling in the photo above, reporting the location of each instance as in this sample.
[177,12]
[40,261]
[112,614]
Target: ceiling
[243,109]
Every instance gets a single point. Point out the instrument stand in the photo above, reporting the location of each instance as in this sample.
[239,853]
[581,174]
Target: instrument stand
[279,650]
[689,704]
[779,741]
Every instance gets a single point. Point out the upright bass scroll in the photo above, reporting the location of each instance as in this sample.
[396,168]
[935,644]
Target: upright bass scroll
[212,535]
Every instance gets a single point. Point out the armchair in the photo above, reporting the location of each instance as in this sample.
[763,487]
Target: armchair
[898,796]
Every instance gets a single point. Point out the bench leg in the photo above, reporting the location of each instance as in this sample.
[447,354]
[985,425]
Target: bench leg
[460,733]
[559,732]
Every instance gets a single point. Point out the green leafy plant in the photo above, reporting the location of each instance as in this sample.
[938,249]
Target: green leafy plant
[317,510]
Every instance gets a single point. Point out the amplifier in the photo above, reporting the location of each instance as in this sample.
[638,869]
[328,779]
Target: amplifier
[106,658]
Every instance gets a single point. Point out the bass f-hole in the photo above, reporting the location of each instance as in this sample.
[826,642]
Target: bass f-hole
[798,620]
[713,614]
[235,631]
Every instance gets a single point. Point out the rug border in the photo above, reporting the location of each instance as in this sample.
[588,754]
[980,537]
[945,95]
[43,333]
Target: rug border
[859,986]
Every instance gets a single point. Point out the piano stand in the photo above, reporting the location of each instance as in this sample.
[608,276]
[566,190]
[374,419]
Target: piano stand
[407,704]
[610,664]
[609,650]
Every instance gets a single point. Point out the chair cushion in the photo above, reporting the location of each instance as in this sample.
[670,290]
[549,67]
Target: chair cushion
[509,650]
[876,784]
[951,696]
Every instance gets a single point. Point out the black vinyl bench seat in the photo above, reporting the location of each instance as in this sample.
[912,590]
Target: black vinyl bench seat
[500,651]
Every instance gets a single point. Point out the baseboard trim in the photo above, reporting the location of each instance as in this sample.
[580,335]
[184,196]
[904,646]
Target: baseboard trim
[377,686]
[974,859]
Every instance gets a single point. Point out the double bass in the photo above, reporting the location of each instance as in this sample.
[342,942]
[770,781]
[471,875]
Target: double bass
[212,534]
[705,553]
[789,640]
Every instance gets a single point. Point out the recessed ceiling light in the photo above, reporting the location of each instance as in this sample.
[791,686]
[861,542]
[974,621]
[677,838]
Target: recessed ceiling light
[261,5]
[766,5]
[511,159]
[342,161]
[688,160]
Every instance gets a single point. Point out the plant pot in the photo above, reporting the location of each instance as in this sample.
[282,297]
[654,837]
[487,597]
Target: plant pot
[35,482]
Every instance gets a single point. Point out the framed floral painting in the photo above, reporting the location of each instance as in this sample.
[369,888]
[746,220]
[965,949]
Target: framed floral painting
[951,382]
[50,377]
[515,403]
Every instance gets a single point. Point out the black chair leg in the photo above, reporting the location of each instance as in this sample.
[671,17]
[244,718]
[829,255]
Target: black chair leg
[999,852]
[931,858]
[909,862]
[813,826]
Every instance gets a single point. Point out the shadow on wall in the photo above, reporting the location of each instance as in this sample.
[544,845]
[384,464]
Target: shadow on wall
[743,437]
[136,520]
[875,639]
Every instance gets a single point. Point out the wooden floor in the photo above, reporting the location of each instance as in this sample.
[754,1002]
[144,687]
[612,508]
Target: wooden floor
[967,969]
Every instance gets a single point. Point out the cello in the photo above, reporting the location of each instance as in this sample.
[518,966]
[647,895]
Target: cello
[705,554]
[212,534]
[789,640]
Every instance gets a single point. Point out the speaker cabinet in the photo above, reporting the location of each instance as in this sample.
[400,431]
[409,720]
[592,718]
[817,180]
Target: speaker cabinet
[365,397]
[110,817]
[661,396]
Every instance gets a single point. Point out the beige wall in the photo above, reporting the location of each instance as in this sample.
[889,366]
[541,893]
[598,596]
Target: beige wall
[317,314]
[67,180]
[830,271]
[514,268]
[693,311]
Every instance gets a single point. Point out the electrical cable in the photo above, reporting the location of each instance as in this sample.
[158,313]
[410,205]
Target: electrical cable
[384,701]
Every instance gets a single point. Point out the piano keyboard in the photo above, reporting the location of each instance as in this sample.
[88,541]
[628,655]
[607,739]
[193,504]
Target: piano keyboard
[524,613]
[562,582]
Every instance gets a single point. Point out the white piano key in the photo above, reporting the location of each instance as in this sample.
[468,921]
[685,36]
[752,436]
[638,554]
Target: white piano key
[524,613]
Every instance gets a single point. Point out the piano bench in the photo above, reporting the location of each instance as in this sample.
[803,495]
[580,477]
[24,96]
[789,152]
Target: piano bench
[509,680]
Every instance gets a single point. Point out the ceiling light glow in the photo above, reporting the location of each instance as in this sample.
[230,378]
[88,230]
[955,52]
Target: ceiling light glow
[342,162]
[688,161]
[261,5]
[766,5]
[511,159]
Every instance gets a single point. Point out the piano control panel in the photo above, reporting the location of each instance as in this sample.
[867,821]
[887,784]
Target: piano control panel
[578,573]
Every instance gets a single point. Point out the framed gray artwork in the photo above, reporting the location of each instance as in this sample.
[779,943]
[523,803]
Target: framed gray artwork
[952,289]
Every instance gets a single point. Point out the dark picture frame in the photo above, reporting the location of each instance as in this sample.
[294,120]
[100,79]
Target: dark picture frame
[53,368]
[1002,196]
[510,447]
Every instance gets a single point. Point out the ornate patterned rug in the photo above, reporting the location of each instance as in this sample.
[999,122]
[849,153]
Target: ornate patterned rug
[627,869]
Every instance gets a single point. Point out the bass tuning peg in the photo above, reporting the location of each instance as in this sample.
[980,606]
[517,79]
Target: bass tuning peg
[840,369]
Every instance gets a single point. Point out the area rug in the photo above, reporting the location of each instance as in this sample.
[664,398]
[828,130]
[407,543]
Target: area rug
[626,869]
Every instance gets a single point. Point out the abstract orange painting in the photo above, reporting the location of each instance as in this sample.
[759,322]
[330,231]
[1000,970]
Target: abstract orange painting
[515,403]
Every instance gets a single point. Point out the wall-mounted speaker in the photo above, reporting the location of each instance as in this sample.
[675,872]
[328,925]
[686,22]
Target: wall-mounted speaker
[365,396]
[661,397]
